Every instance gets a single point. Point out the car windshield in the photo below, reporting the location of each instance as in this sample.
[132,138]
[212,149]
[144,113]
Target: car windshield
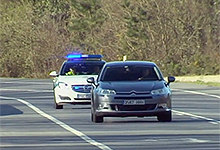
[81,68]
[131,73]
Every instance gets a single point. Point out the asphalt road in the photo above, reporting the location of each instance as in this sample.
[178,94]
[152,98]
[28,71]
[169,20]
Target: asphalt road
[29,121]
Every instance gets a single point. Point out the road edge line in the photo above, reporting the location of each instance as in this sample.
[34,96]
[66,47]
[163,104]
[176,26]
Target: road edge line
[61,124]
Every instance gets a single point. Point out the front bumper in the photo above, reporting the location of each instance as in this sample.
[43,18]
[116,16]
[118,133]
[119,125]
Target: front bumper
[112,113]
[111,107]
[86,102]
[72,98]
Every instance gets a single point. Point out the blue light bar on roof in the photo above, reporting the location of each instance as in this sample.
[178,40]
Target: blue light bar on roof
[73,56]
[83,56]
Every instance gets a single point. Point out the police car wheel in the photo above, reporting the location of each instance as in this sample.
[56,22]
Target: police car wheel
[58,106]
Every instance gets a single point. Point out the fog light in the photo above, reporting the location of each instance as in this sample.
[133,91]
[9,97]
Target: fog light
[163,105]
[103,106]
[64,97]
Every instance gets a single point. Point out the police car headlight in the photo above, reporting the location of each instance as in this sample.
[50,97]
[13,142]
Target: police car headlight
[63,85]
[158,91]
[106,92]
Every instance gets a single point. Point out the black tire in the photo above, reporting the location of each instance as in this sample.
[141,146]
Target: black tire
[58,106]
[165,117]
[96,119]
[92,116]
[55,104]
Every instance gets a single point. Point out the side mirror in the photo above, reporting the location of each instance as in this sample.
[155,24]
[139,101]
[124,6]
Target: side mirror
[91,80]
[53,74]
[170,79]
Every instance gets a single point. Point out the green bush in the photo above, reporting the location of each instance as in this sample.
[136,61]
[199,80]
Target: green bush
[181,37]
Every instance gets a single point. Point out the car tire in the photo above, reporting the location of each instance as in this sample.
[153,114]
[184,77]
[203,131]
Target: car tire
[165,117]
[92,116]
[58,106]
[55,104]
[96,119]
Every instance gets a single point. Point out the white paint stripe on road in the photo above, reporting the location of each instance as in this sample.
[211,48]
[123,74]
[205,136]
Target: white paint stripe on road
[39,83]
[61,124]
[193,140]
[194,92]
[26,90]
[213,121]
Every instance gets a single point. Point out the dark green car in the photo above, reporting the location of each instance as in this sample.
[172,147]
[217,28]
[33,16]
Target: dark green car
[130,88]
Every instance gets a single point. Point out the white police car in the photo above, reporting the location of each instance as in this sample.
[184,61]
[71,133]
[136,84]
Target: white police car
[70,85]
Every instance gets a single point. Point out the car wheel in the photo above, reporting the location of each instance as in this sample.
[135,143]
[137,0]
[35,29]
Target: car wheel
[97,119]
[55,104]
[92,116]
[166,117]
[58,106]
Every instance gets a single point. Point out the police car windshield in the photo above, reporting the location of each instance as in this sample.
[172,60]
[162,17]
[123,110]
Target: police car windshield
[131,73]
[81,68]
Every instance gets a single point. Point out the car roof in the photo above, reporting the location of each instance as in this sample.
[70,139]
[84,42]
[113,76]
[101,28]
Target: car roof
[122,63]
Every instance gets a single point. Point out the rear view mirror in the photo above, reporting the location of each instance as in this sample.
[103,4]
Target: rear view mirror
[91,80]
[170,79]
[53,74]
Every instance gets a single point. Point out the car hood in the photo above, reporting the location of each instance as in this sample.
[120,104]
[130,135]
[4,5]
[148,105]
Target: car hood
[137,86]
[75,80]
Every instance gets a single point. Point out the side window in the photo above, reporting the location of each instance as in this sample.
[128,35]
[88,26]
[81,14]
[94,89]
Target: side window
[63,69]
[67,69]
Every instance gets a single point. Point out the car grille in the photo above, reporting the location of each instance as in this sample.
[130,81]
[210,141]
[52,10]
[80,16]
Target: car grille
[133,97]
[133,107]
[82,88]
[134,92]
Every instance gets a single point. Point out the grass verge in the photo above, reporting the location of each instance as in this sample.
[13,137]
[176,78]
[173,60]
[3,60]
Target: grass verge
[202,83]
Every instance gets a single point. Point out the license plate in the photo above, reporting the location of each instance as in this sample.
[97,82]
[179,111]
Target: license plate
[83,95]
[134,102]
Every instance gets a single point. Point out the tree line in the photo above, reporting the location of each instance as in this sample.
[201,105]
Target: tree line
[181,36]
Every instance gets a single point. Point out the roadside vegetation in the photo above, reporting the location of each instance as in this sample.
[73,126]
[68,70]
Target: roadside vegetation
[208,83]
[182,37]
[202,83]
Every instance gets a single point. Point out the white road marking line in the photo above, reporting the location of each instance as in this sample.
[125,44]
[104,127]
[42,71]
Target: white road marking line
[61,124]
[212,121]
[196,116]
[194,92]
[150,140]
[39,83]
[197,140]
[191,140]
[26,90]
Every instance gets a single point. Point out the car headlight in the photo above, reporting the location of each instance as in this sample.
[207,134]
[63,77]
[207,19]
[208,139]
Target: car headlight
[106,92]
[158,91]
[63,85]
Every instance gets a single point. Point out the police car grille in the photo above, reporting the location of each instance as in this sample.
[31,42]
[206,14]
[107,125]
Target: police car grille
[82,88]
